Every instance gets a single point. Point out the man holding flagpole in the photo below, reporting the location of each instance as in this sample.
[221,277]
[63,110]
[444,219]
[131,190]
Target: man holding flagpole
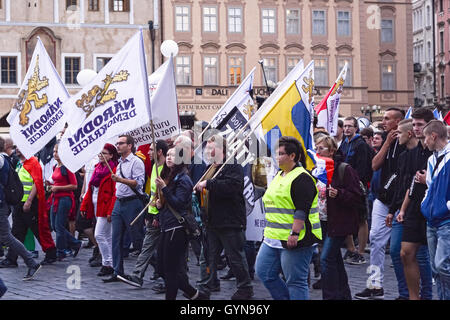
[129,178]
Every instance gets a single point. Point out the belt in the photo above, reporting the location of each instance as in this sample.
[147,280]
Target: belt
[125,199]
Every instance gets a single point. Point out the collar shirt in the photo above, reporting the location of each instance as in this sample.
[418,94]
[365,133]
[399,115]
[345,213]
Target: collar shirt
[131,168]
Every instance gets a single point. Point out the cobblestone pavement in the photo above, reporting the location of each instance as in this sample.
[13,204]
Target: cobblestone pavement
[57,282]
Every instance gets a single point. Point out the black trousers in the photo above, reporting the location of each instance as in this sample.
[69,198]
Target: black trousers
[172,264]
[21,222]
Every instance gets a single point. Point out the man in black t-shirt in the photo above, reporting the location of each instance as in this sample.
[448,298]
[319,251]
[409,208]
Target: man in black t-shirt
[417,272]
[387,160]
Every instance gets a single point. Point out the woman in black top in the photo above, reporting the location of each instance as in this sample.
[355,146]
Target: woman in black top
[176,189]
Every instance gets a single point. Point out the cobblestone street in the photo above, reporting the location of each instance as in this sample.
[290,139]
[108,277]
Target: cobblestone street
[57,281]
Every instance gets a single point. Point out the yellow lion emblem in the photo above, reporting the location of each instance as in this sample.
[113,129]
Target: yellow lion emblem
[338,87]
[309,82]
[29,95]
[100,95]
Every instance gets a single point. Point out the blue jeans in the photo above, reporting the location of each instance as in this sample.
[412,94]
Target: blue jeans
[64,239]
[439,246]
[294,263]
[423,259]
[122,215]
[3,288]
[334,277]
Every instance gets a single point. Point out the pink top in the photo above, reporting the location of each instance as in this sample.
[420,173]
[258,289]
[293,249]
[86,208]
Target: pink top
[60,180]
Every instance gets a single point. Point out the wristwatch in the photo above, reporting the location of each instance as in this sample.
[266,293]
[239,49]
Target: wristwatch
[293,233]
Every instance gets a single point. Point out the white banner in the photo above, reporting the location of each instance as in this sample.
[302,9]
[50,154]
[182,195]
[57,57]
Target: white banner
[115,101]
[328,109]
[37,116]
[164,104]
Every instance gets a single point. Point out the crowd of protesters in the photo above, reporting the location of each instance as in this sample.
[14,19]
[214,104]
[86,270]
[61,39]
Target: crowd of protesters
[386,188]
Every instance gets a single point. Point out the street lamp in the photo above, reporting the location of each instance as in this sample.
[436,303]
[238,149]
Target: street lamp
[368,110]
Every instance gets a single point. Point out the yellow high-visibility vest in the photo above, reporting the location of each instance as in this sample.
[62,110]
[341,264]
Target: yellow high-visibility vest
[280,208]
[152,209]
[27,182]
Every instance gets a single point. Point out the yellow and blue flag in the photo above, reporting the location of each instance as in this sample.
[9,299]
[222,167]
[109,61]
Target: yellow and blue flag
[291,115]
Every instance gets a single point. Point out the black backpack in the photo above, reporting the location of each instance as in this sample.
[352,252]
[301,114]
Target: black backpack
[14,191]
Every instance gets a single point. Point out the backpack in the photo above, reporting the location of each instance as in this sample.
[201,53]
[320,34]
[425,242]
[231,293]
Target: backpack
[14,192]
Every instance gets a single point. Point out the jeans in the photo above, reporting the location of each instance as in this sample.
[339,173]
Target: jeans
[423,259]
[124,212]
[10,241]
[334,277]
[171,261]
[103,235]
[379,236]
[64,239]
[3,288]
[439,246]
[149,248]
[232,241]
[250,254]
[294,263]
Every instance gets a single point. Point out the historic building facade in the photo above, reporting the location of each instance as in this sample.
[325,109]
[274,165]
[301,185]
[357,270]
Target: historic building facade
[220,41]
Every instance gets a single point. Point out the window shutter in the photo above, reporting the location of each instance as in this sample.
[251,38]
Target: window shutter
[126,5]
[111,5]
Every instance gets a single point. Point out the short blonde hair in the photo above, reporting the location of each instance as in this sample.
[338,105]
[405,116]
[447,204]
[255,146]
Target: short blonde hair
[329,142]
[437,127]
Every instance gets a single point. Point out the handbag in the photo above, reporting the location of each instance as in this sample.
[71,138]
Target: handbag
[189,223]
[145,198]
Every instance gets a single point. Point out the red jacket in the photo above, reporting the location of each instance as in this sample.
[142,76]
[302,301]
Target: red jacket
[45,237]
[105,201]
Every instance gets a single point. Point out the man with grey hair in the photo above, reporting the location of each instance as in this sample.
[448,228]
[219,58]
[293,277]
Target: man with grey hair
[6,236]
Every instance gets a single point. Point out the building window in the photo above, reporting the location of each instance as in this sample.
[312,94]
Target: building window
[120,5]
[70,3]
[430,55]
[428,16]
[210,71]
[235,70]
[291,63]
[319,23]
[183,70]
[321,72]
[292,21]
[210,19]
[268,20]
[100,62]
[270,69]
[442,86]
[72,66]
[9,70]
[441,41]
[93,5]
[234,20]
[340,64]
[387,30]
[343,24]
[387,77]
[182,18]
[441,5]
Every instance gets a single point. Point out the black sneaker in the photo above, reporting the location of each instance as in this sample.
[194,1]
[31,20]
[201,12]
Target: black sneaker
[357,259]
[76,249]
[113,278]
[199,295]
[32,272]
[105,271]
[48,261]
[242,294]
[131,280]
[370,294]
[8,264]
[349,256]
[228,276]
[159,288]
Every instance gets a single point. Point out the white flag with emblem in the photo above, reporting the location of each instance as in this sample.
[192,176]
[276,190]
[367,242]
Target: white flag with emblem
[165,118]
[115,101]
[37,115]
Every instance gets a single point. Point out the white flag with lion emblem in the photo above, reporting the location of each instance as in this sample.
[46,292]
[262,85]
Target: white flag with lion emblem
[115,101]
[37,115]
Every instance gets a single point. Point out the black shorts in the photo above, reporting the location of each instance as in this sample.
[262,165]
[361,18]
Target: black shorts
[415,230]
